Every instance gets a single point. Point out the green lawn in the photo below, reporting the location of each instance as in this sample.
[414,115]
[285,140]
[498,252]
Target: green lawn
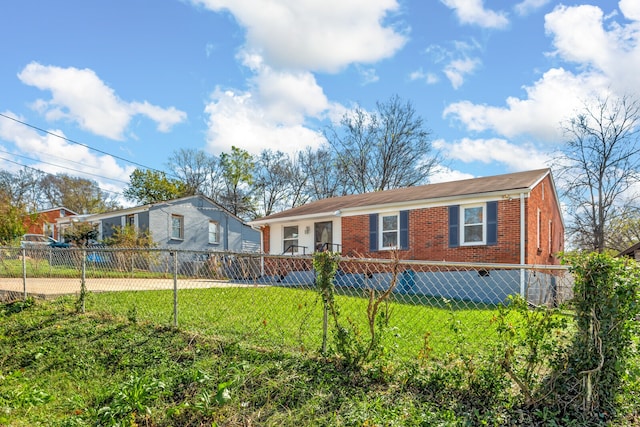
[291,319]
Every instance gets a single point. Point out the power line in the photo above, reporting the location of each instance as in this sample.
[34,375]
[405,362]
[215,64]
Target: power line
[41,171]
[63,167]
[79,143]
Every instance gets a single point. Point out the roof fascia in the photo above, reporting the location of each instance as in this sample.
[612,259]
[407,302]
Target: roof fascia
[396,206]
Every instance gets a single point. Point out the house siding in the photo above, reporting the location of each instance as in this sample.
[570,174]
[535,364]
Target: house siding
[44,222]
[197,213]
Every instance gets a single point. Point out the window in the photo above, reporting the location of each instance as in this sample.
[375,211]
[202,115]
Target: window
[389,231]
[131,220]
[177,227]
[550,238]
[473,225]
[214,235]
[539,230]
[290,239]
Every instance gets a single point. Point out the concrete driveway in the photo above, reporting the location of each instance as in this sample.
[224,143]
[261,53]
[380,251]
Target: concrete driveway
[47,288]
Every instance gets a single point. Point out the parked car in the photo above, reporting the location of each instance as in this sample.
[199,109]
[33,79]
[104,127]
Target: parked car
[40,240]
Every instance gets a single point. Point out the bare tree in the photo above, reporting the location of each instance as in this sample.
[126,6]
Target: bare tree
[323,180]
[199,171]
[624,229]
[599,166]
[279,183]
[388,148]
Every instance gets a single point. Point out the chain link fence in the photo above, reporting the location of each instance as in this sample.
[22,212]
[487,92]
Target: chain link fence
[272,301]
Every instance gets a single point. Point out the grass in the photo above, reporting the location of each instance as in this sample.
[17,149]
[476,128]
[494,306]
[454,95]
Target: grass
[61,368]
[64,264]
[291,319]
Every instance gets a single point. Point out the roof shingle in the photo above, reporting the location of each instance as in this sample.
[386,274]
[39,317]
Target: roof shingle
[518,181]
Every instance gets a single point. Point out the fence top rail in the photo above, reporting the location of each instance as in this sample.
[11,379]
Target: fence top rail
[171,251]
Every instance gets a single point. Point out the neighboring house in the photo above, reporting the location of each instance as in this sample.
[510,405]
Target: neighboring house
[45,221]
[189,223]
[508,219]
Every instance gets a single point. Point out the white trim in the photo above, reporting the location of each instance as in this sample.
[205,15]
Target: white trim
[462,226]
[538,229]
[381,216]
[394,207]
[523,236]
[217,232]
[283,239]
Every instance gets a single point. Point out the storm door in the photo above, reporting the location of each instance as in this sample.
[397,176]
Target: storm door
[323,234]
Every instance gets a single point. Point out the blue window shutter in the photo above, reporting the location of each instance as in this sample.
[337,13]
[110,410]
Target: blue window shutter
[454,226]
[373,232]
[404,229]
[492,223]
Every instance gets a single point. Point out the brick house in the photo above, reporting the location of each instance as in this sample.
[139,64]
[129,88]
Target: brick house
[45,221]
[513,218]
[505,219]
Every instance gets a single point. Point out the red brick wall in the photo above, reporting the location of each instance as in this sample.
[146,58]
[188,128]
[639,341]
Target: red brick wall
[266,239]
[34,223]
[429,237]
[542,197]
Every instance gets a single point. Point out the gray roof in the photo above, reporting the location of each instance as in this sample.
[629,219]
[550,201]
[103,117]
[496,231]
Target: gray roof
[513,182]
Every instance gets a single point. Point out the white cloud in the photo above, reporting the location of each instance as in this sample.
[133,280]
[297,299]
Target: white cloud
[528,6]
[458,62]
[579,36]
[555,97]
[473,12]
[607,62]
[368,75]
[630,9]
[457,70]
[235,119]
[287,98]
[515,157]
[80,95]
[314,35]
[445,174]
[429,78]
[56,155]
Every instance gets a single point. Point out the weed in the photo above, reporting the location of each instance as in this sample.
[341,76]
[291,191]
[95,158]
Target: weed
[131,401]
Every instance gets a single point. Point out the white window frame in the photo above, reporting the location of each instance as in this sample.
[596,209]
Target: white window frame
[214,232]
[550,237]
[539,229]
[180,220]
[463,225]
[131,220]
[285,245]
[382,231]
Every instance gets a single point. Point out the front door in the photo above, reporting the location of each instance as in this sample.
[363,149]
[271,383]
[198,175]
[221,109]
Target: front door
[323,232]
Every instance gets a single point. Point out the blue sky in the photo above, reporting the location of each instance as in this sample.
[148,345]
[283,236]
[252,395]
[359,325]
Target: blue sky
[135,80]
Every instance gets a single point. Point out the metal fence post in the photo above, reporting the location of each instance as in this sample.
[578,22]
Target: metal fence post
[325,328]
[175,289]
[24,273]
[83,280]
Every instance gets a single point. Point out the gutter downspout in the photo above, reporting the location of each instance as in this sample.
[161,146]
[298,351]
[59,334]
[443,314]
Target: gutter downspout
[523,290]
